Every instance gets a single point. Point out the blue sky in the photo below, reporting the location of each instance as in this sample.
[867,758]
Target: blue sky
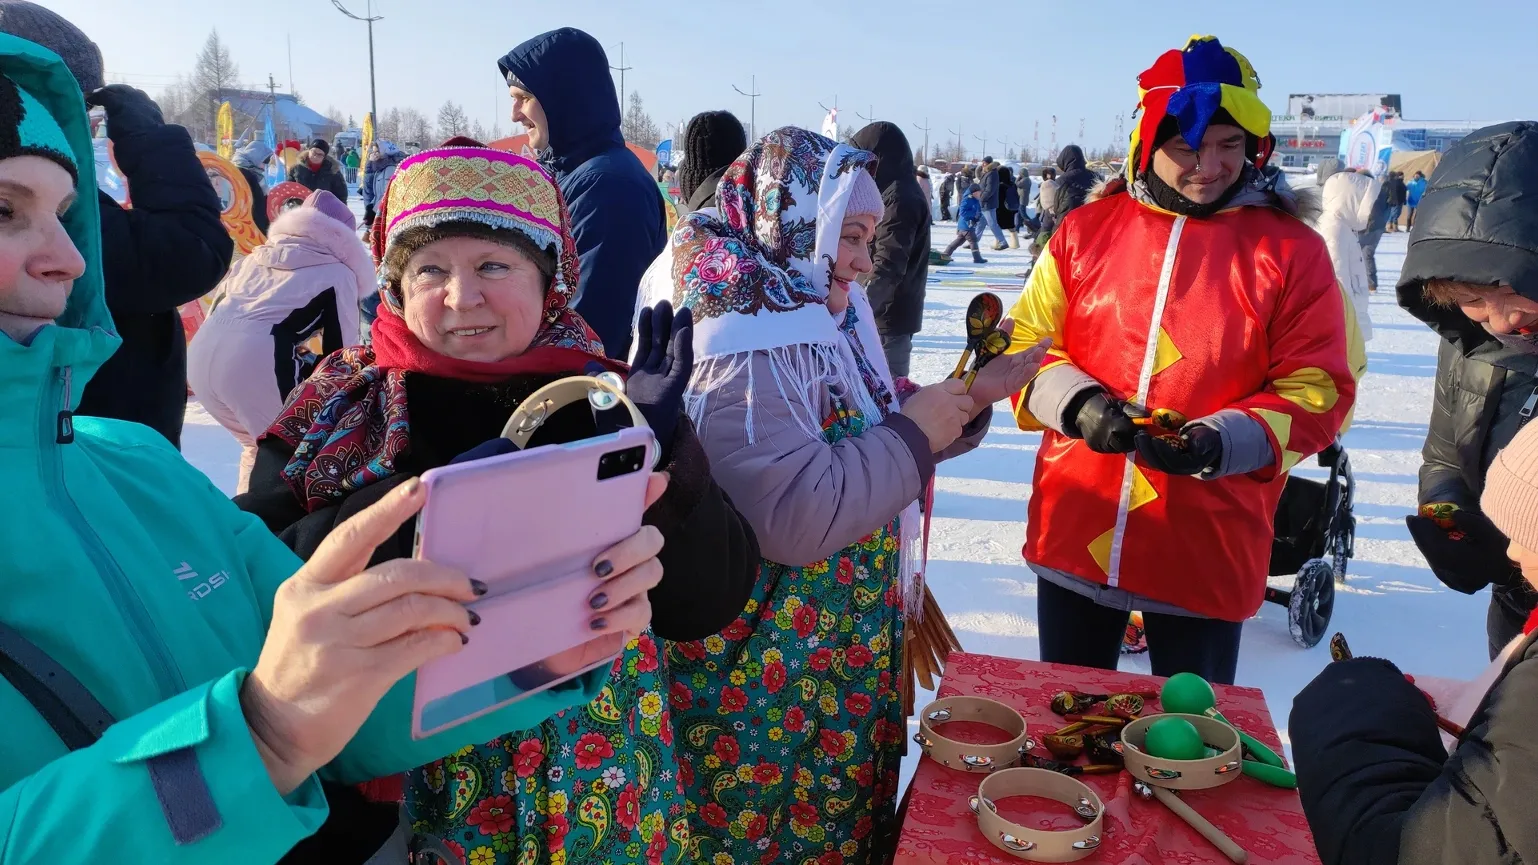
[994,68]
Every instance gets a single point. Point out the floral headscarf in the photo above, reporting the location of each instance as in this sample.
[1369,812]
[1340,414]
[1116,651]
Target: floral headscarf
[348,423]
[756,274]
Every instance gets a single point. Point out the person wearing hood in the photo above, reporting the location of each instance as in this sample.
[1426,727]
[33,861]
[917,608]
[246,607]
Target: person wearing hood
[1413,192]
[1009,205]
[947,189]
[206,691]
[316,170]
[384,158]
[988,179]
[290,303]
[1023,200]
[1127,294]
[1380,783]
[564,96]
[1347,206]
[1073,185]
[1471,273]
[252,161]
[169,249]
[900,251]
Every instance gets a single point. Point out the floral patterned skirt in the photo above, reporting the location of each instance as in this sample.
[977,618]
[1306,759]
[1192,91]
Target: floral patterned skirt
[594,784]
[789,723]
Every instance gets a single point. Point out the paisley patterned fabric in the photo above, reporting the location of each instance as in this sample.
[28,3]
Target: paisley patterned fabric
[789,723]
[598,784]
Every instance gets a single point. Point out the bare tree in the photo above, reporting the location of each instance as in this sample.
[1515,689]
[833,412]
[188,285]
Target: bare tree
[213,75]
[847,133]
[415,128]
[177,101]
[496,132]
[387,126]
[335,115]
[638,127]
[452,121]
[478,132]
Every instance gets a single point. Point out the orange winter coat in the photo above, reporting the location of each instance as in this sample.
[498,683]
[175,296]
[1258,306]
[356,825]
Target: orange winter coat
[1237,311]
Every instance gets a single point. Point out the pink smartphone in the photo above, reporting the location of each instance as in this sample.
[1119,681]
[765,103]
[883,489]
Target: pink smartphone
[529,525]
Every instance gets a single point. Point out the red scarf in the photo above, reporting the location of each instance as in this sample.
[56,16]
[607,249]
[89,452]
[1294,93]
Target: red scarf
[1532,623]
[397,348]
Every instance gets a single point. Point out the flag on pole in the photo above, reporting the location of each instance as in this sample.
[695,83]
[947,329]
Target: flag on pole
[367,139]
[225,131]
[276,171]
[830,124]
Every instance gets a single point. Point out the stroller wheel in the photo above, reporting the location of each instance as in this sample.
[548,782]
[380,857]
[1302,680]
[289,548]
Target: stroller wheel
[1312,603]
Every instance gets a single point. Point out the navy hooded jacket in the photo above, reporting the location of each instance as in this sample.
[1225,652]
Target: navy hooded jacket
[616,211]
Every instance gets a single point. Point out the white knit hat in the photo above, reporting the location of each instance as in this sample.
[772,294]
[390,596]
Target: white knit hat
[1510,498]
[864,197]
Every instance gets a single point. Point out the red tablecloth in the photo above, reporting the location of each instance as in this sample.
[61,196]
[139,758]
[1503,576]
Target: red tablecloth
[939,828]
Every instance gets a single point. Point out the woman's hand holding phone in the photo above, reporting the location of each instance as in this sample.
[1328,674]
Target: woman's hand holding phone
[629,570]
[342,634]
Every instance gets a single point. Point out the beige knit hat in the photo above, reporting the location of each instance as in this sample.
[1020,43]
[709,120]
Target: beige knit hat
[1510,499]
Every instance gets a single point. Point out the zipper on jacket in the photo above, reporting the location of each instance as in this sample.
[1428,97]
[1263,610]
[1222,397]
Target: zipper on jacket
[1526,414]
[66,433]
[167,678]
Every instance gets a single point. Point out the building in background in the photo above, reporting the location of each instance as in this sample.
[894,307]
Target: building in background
[1316,124]
[292,119]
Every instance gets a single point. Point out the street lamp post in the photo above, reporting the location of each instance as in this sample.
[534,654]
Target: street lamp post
[369,18]
[925,127]
[752,94]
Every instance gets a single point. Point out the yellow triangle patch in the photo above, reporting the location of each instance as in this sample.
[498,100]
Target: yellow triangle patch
[1280,423]
[1142,491]
[1166,355]
[1100,548]
[1290,459]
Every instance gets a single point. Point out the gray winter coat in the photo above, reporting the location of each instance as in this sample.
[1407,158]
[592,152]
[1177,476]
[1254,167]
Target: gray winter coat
[807,499]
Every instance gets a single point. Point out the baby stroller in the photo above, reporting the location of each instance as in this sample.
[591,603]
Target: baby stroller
[1314,537]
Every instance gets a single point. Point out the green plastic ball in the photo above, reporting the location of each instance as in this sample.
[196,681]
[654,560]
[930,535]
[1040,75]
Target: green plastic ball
[1174,739]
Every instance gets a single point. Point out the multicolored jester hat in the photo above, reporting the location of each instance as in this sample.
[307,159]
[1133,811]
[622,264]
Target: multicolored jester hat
[1194,85]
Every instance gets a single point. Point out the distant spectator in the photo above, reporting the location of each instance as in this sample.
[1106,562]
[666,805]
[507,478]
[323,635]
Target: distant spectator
[382,161]
[252,161]
[1413,192]
[947,189]
[351,161]
[1074,186]
[1397,195]
[988,179]
[969,220]
[316,170]
[1348,199]
[1374,233]
[900,250]
[564,96]
[1009,205]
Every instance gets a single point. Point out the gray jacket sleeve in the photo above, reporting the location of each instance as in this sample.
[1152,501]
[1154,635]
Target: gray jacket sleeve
[1051,393]
[807,499]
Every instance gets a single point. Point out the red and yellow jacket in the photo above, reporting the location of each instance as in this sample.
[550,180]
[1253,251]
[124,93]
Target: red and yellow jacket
[1237,311]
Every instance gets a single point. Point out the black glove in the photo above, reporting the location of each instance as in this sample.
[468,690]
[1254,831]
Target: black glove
[1202,448]
[130,111]
[489,448]
[664,361]
[1101,422]
[1471,562]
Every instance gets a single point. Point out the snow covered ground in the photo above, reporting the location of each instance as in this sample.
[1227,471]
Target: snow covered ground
[1392,606]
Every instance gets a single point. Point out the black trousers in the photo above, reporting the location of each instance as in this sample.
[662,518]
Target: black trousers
[1076,630]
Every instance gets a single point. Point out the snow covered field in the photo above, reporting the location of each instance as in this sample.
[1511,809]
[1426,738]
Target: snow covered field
[1392,607]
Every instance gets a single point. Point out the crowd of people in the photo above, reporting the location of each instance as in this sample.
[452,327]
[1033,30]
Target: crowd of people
[233,681]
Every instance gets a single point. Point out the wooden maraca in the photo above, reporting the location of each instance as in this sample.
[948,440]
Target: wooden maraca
[983,316]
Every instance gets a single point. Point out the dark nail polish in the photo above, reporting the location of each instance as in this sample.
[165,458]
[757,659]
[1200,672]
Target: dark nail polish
[598,601]
[475,618]
[464,639]
[604,568]
[598,624]
[479,587]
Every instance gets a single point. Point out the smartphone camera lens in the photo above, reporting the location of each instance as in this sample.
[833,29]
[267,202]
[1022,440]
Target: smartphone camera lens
[617,463]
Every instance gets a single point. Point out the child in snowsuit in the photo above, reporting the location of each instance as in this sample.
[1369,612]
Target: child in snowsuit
[287,305]
[969,218]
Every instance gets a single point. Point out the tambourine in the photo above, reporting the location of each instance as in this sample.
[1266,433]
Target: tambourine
[1202,774]
[1039,845]
[603,392]
[968,757]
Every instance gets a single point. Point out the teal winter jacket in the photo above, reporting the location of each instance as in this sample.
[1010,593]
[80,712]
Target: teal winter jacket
[130,569]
